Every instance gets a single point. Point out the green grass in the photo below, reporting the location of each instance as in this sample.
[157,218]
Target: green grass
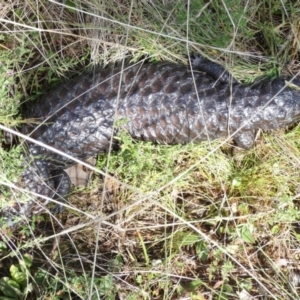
[177,222]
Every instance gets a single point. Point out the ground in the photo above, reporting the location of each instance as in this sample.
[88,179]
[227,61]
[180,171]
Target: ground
[204,221]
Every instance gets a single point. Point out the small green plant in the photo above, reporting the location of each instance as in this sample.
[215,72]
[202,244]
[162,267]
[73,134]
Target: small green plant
[135,161]
[79,285]
[18,285]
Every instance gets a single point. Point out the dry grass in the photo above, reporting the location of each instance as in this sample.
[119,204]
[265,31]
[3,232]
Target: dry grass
[181,222]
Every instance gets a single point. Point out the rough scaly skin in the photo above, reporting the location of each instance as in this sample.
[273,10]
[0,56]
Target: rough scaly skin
[163,103]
